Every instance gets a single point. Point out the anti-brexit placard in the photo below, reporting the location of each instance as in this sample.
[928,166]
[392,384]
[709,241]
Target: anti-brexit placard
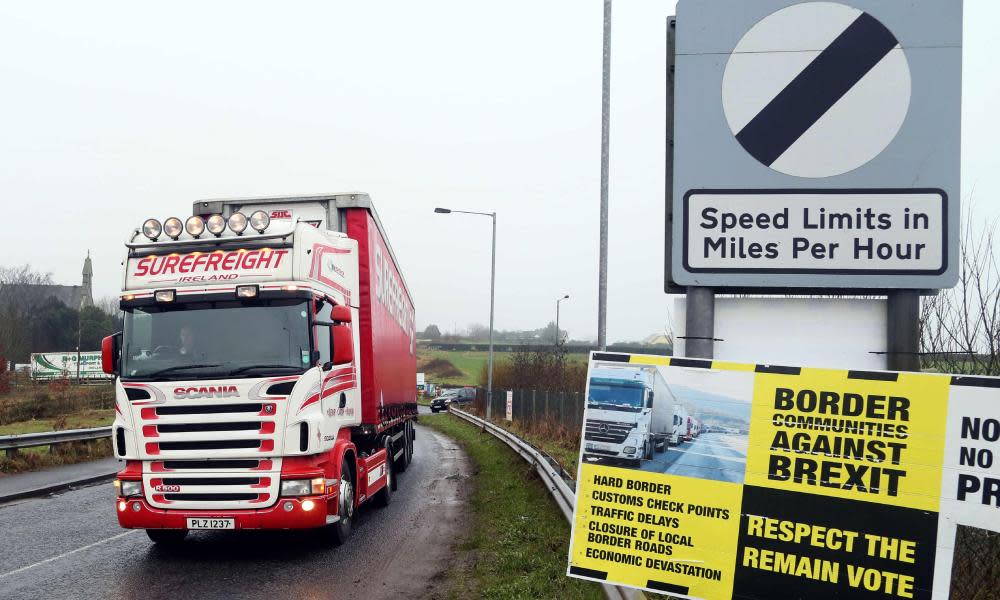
[715,480]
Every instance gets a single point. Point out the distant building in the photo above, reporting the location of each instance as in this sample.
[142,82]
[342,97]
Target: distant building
[73,296]
[658,339]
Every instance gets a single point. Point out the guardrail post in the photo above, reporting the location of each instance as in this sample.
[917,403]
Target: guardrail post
[11,453]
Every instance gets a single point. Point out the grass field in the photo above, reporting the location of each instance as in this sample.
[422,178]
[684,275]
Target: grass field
[85,419]
[470,364]
[518,544]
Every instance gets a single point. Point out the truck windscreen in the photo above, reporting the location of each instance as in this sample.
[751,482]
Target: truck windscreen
[202,340]
[615,397]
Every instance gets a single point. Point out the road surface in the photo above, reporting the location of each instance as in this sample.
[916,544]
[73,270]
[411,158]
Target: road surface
[70,546]
[719,456]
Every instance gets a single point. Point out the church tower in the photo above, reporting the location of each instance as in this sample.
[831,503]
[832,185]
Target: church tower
[87,291]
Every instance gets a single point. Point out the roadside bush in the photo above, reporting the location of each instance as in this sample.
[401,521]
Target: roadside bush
[543,369]
[33,459]
[53,399]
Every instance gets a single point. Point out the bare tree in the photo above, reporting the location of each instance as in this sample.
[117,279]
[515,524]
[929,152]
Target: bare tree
[960,327]
[21,293]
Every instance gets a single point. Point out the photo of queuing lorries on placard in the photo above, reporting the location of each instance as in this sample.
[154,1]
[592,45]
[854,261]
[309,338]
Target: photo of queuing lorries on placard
[662,419]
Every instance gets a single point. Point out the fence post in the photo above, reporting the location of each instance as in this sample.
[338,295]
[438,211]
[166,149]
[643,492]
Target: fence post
[534,411]
[547,412]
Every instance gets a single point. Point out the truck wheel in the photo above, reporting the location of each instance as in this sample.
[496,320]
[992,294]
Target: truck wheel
[409,443]
[661,447]
[404,459]
[384,496]
[167,537]
[647,451]
[345,505]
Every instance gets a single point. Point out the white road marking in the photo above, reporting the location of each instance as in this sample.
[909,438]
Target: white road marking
[65,554]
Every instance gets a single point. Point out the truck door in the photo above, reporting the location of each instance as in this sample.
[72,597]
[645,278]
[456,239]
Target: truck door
[338,381]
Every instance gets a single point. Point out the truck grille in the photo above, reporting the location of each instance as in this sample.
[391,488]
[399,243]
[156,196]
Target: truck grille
[207,456]
[609,432]
[212,484]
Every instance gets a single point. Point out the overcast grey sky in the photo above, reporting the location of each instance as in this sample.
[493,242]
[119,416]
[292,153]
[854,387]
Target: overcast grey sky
[113,112]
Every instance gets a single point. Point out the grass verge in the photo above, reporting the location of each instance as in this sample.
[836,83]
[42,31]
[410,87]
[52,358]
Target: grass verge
[33,459]
[519,539]
[87,418]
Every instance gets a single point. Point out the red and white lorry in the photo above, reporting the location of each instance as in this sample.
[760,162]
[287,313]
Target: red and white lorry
[264,370]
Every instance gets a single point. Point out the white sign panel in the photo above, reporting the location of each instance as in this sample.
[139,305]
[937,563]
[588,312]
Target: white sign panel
[816,231]
[510,406]
[746,328]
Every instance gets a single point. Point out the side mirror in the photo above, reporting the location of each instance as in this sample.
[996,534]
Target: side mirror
[341,314]
[111,350]
[343,344]
[649,400]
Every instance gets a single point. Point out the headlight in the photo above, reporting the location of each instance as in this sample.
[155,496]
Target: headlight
[195,226]
[173,227]
[216,225]
[303,487]
[629,449]
[152,229]
[238,223]
[128,488]
[259,221]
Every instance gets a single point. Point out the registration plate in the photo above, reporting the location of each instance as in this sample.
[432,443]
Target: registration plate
[211,523]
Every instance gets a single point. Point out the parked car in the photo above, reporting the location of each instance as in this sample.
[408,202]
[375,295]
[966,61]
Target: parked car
[453,396]
[442,401]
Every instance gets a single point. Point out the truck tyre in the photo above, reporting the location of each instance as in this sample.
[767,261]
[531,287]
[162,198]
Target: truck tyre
[167,537]
[345,505]
[661,447]
[647,451]
[407,447]
[384,496]
[409,444]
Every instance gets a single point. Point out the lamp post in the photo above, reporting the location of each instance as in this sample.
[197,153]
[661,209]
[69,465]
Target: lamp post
[493,273]
[558,300]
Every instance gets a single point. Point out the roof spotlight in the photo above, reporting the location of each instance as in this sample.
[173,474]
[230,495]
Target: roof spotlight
[238,223]
[216,225]
[259,221]
[173,227]
[152,229]
[195,226]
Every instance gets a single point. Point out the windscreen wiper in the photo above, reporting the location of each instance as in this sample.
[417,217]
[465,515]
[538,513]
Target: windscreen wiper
[178,368]
[251,367]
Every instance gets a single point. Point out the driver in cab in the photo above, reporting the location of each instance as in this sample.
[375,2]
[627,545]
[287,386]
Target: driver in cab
[188,342]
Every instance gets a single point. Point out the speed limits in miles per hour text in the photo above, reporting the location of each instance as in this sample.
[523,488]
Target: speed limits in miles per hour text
[816,231]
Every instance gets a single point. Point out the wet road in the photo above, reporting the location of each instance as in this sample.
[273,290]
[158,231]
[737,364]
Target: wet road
[718,456]
[70,546]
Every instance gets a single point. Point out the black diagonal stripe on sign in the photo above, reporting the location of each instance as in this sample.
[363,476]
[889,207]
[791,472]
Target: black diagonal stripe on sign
[817,88]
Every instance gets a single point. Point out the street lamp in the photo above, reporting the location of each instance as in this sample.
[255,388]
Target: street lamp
[558,300]
[493,273]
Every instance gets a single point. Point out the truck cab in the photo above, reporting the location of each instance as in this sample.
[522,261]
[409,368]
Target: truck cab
[628,414]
